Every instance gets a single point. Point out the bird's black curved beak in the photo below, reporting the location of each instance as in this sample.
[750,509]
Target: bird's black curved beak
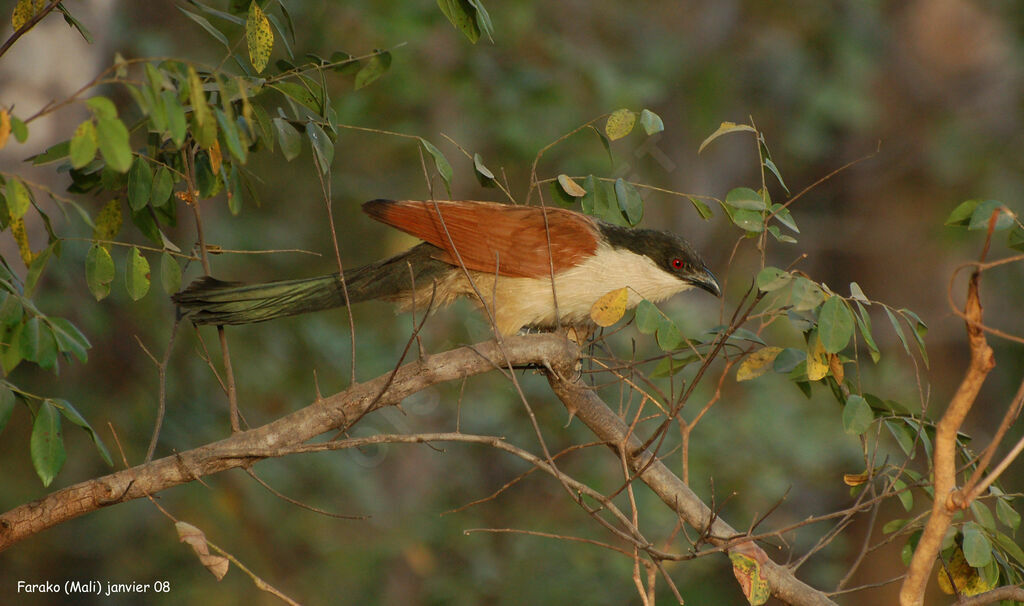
[705,280]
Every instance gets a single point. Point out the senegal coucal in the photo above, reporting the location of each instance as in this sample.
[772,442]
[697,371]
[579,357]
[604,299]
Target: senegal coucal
[510,254]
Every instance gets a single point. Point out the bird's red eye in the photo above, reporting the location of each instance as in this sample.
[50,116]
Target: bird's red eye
[677,263]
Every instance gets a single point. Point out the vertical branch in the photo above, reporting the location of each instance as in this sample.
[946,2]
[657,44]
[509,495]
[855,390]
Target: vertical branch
[229,376]
[944,464]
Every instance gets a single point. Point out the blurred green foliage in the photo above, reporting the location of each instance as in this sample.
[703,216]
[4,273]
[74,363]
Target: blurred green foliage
[827,82]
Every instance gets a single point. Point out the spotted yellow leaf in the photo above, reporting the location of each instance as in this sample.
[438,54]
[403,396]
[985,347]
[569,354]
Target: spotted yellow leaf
[757,363]
[21,237]
[108,223]
[855,479]
[25,10]
[610,308]
[5,127]
[747,571]
[215,157]
[619,124]
[259,37]
[817,361]
[968,581]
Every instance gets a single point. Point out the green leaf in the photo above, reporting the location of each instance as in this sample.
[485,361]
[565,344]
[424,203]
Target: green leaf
[983,214]
[835,324]
[772,278]
[1015,239]
[724,129]
[35,270]
[620,123]
[648,317]
[112,136]
[46,445]
[38,345]
[101,107]
[630,203]
[977,548]
[1011,547]
[702,209]
[903,435]
[163,185]
[18,198]
[83,145]
[170,274]
[71,414]
[1004,511]
[288,137]
[857,415]
[669,337]
[7,401]
[788,359]
[651,122]
[176,123]
[440,162]
[775,171]
[235,191]
[140,183]
[782,215]
[747,220]
[483,19]
[961,215]
[323,147]
[374,68]
[136,275]
[232,137]
[905,496]
[99,271]
[461,14]
[982,515]
[19,129]
[896,327]
[206,25]
[258,37]
[302,94]
[54,153]
[485,174]
[806,294]
[70,340]
[893,525]
[744,197]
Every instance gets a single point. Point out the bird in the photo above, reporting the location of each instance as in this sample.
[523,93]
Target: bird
[530,267]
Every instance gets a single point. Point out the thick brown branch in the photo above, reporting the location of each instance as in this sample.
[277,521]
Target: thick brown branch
[673,492]
[944,506]
[324,415]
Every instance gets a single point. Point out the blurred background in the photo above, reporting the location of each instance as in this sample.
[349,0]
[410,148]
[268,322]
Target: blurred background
[930,90]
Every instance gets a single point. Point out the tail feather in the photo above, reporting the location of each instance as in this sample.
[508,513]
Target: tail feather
[212,301]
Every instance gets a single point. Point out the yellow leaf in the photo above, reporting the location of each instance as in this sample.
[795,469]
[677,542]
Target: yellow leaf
[967,579]
[817,361]
[198,99]
[568,186]
[836,366]
[21,237]
[610,308]
[619,124]
[108,223]
[723,129]
[757,363]
[258,36]
[25,10]
[215,157]
[748,573]
[5,127]
[855,479]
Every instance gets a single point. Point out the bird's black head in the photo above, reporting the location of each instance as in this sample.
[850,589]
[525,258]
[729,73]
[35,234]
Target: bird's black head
[669,251]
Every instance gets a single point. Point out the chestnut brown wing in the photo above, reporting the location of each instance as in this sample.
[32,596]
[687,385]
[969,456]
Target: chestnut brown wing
[490,237]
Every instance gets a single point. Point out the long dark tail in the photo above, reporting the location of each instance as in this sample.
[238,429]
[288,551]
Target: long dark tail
[212,301]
